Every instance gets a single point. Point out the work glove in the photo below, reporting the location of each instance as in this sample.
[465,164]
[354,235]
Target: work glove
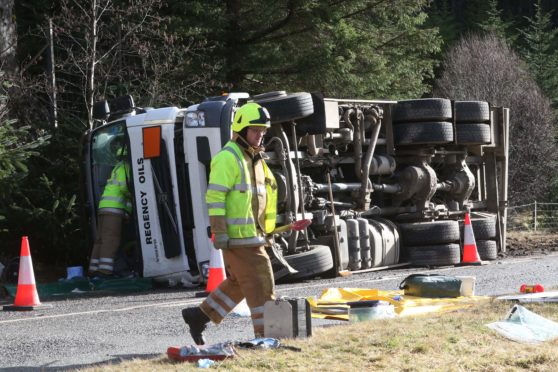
[221,241]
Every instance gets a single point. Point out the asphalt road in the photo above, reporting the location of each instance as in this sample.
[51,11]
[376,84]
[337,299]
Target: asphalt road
[78,333]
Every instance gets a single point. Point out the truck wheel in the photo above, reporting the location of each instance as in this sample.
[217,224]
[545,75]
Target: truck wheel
[276,93]
[472,112]
[487,249]
[484,226]
[434,255]
[310,263]
[287,107]
[472,133]
[423,133]
[429,109]
[425,233]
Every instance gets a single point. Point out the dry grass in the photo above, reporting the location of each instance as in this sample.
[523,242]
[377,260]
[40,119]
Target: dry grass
[456,341]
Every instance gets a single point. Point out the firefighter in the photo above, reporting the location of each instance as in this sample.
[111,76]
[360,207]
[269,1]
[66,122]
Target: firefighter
[115,206]
[241,199]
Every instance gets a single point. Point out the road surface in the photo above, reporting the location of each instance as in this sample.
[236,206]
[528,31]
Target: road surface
[78,333]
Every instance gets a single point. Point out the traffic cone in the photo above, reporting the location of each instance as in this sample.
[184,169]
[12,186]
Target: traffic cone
[470,252]
[216,270]
[26,297]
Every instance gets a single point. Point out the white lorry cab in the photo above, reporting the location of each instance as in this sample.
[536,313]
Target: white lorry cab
[385,183]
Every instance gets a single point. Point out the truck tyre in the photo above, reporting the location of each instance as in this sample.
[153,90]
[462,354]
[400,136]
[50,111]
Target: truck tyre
[289,107]
[423,133]
[276,93]
[426,233]
[311,263]
[472,112]
[429,109]
[487,249]
[434,255]
[472,134]
[484,226]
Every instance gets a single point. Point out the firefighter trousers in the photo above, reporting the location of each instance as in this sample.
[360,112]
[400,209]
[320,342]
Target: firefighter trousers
[250,277]
[107,241]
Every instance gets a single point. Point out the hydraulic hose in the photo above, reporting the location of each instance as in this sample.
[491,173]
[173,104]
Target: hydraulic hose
[374,117]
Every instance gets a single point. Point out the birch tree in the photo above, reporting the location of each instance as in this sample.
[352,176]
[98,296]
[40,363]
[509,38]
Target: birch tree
[106,48]
[8,37]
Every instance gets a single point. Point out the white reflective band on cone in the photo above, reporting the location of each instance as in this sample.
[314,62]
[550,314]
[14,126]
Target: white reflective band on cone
[26,275]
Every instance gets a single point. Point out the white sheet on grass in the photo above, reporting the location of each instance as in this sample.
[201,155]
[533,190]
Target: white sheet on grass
[522,325]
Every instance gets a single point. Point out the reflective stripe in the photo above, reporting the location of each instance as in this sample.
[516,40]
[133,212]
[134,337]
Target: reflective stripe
[114,199]
[94,261]
[240,221]
[257,310]
[223,297]
[216,205]
[105,267]
[243,187]
[113,210]
[256,240]
[117,183]
[211,302]
[93,267]
[106,260]
[216,187]
[260,189]
[258,322]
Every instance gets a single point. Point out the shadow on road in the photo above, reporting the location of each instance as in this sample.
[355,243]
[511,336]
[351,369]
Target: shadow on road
[116,359]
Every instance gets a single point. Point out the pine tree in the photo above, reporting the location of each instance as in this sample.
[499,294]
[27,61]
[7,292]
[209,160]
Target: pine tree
[17,145]
[539,38]
[342,48]
[440,16]
[491,20]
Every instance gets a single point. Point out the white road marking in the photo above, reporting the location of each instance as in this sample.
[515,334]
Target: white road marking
[186,302]
[197,301]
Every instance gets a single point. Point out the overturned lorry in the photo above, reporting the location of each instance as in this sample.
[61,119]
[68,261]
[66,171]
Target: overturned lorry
[385,183]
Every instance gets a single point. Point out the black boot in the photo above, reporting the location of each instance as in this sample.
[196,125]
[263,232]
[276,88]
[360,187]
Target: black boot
[197,322]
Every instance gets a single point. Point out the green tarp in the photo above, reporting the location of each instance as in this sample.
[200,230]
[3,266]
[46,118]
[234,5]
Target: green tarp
[79,286]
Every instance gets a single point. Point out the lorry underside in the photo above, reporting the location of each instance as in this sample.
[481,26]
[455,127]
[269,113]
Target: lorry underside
[385,183]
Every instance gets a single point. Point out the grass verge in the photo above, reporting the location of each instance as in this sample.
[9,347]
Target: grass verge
[454,341]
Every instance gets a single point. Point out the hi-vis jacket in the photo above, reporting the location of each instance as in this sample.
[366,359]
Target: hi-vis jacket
[116,197]
[231,196]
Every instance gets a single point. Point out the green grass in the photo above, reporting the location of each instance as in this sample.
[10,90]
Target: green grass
[453,341]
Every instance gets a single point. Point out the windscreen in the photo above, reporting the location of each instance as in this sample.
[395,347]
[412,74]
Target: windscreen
[107,147]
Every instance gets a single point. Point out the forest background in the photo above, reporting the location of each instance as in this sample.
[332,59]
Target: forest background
[58,56]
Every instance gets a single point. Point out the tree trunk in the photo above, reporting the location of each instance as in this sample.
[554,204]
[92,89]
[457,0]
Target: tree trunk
[8,37]
[233,55]
[90,86]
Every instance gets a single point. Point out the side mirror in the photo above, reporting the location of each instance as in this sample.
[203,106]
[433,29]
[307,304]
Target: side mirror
[101,110]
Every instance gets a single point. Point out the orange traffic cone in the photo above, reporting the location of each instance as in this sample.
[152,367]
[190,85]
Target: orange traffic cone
[470,252]
[26,297]
[216,270]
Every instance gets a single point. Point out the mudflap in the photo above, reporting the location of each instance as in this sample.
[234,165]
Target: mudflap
[281,268]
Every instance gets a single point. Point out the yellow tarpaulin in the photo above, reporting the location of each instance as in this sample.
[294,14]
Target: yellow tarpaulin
[332,304]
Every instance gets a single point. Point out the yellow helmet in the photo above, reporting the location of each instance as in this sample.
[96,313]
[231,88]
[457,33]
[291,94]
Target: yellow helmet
[249,115]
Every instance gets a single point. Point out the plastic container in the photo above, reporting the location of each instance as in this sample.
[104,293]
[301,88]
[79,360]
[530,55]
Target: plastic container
[74,272]
[467,285]
[361,311]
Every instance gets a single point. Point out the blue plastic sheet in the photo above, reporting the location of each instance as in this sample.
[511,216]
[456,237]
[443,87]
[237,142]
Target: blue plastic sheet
[522,325]
[227,348]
